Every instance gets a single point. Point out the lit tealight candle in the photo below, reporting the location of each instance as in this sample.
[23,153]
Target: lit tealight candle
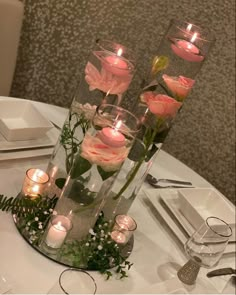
[126,221]
[118,236]
[58,229]
[123,229]
[187,50]
[112,136]
[116,64]
[35,182]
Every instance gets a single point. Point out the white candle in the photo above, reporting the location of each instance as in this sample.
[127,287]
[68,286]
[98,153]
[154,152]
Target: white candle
[56,235]
[112,137]
[116,64]
[187,50]
[118,237]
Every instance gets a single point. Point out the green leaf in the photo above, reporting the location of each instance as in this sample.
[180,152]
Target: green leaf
[60,182]
[105,174]
[80,166]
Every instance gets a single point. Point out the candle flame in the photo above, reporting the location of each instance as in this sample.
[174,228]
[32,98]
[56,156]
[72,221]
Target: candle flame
[193,37]
[35,189]
[119,52]
[189,27]
[118,125]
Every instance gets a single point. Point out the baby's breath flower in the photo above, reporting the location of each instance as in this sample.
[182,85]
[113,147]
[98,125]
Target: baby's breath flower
[29,223]
[54,212]
[40,226]
[106,224]
[36,218]
[27,228]
[45,212]
[50,210]
[87,244]
[94,238]
[92,232]
[99,247]
[100,226]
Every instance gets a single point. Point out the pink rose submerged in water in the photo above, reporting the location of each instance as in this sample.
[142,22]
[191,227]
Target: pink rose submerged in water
[179,86]
[96,152]
[161,105]
[105,80]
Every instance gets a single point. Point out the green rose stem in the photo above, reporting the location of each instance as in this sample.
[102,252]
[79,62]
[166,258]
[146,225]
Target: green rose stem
[133,174]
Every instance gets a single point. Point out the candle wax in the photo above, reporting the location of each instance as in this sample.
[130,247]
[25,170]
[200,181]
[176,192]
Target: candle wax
[116,65]
[187,51]
[112,137]
[56,235]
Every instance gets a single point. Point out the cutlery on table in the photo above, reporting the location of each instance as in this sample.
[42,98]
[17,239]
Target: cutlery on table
[221,272]
[177,183]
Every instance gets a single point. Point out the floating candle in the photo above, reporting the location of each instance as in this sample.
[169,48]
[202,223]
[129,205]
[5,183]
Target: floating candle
[35,182]
[56,235]
[187,50]
[116,64]
[112,137]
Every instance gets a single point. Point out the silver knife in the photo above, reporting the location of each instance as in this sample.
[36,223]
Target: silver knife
[221,272]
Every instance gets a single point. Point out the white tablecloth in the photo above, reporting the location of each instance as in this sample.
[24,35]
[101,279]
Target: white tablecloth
[156,255]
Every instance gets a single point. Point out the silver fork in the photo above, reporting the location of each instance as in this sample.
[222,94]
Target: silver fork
[177,183]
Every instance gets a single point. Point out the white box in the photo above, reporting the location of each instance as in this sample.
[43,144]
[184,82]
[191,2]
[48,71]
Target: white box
[20,120]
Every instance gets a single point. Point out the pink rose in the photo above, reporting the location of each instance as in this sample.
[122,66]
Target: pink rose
[179,86]
[161,105]
[96,152]
[105,80]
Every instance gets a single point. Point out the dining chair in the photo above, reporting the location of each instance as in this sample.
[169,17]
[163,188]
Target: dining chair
[11,17]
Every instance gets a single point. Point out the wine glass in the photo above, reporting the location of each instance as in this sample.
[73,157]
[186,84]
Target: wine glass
[205,248]
[74,281]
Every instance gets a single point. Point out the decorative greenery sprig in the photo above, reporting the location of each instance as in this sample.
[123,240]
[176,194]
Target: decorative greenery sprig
[68,138]
[98,251]
[23,206]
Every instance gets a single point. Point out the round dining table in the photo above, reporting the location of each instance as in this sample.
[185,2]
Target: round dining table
[158,250]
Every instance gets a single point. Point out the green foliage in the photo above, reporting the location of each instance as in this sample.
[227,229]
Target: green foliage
[105,174]
[60,182]
[97,252]
[80,166]
[23,206]
[68,138]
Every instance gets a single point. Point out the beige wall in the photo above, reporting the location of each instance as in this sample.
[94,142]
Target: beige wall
[57,36]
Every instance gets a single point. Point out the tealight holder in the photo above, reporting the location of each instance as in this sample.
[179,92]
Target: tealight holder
[123,229]
[35,183]
[56,233]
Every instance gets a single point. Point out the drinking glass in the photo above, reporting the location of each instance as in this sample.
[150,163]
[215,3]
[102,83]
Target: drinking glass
[205,248]
[74,281]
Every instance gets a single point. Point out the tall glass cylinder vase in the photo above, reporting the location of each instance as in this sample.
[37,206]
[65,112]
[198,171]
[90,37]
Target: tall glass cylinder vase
[180,55]
[107,76]
[104,148]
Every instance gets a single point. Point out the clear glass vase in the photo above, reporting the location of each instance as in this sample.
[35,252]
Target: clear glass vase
[104,148]
[108,73]
[180,55]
